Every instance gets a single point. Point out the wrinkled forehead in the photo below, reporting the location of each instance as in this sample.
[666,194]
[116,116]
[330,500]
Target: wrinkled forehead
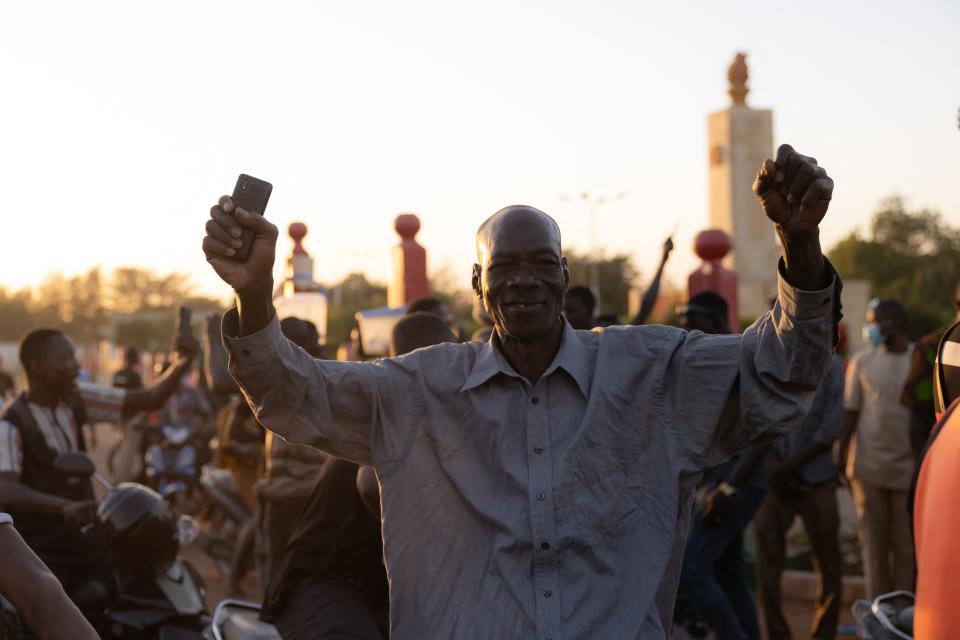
[518,231]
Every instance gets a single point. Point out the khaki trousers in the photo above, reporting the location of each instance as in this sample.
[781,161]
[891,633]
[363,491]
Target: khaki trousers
[886,544]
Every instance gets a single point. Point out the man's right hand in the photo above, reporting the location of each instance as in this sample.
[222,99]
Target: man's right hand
[255,276]
[79,513]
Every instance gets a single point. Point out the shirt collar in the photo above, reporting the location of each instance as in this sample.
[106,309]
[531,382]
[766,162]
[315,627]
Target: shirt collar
[572,358]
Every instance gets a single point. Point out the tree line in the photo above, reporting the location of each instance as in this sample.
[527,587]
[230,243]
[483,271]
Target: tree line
[910,255]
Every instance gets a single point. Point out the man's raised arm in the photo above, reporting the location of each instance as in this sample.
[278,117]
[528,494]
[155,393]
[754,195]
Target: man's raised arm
[763,382]
[335,406]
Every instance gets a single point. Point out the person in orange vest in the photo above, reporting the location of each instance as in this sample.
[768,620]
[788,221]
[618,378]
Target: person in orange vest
[936,511]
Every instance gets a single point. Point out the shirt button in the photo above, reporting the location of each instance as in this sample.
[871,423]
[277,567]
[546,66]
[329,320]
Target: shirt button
[545,546]
[541,496]
[538,450]
[547,593]
[535,400]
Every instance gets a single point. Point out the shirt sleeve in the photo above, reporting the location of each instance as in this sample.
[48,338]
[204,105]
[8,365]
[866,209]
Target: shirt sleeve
[103,404]
[358,411]
[11,453]
[830,420]
[729,392]
[852,389]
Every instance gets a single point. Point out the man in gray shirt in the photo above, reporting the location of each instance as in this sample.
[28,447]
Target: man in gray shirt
[539,485]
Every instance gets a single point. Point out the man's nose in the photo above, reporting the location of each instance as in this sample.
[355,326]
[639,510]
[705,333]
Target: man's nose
[524,281]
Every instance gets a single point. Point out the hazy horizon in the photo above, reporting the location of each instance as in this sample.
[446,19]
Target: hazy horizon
[123,123]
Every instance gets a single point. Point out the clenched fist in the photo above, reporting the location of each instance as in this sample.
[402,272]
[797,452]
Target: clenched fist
[793,191]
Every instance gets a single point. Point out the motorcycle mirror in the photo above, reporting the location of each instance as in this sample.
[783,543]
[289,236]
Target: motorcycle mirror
[74,465]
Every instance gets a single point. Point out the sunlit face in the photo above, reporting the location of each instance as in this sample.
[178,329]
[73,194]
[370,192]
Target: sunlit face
[57,368]
[522,277]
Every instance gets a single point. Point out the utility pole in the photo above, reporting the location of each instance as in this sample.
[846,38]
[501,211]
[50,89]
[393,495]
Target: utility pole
[593,204]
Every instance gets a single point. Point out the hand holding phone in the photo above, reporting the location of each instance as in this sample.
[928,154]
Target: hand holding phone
[249,272]
[252,195]
[183,326]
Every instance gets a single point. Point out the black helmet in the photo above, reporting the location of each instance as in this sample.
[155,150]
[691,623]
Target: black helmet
[138,528]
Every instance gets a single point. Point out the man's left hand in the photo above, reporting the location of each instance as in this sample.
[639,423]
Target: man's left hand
[793,191]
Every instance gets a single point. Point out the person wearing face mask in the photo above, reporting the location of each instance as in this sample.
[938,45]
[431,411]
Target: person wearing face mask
[875,449]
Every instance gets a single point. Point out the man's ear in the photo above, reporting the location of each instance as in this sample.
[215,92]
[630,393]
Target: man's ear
[475,281]
[566,273]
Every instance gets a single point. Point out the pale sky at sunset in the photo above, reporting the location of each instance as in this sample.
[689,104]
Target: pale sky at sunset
[122,122]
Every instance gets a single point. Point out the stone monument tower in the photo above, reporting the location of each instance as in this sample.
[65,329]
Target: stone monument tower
[740,138]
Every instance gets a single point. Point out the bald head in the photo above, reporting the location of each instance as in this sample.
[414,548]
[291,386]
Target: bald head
[521,274]
[513,218]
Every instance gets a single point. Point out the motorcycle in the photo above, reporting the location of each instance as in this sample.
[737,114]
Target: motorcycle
[239,620]
[888,617]
[224,512]
[155,594]
[170,467]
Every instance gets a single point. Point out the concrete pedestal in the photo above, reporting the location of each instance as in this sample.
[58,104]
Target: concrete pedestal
[740,138]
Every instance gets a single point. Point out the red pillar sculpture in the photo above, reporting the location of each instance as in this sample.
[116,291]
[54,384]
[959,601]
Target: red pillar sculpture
[711,246]
[409,264]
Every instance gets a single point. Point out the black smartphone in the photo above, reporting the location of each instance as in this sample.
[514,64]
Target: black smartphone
[251,195]
[185,316]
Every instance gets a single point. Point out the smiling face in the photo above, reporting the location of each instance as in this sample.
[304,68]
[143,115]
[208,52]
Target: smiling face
[522,276]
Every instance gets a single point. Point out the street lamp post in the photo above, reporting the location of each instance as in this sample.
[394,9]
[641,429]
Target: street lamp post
[593,204]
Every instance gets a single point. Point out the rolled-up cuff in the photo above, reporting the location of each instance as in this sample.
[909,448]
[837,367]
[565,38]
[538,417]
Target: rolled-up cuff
[251,350]
[812,305]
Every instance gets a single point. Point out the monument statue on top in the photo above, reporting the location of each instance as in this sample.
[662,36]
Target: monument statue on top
[738,75]
[739,139]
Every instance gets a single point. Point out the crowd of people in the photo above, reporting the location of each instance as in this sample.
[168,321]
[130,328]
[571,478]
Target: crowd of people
[560,475]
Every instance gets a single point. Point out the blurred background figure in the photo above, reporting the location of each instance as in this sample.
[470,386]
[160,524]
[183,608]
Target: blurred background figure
[650,296]
[803,481]
[917,393]
[875,449]
[579,306]
[290,470]
[713,578]
[7,385]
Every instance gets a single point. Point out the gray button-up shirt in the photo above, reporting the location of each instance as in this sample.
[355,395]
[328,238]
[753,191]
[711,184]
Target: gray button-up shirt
[552,511]
[823,424]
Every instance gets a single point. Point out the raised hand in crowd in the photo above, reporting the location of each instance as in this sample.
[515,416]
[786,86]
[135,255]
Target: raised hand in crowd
[795,193]
[252,280]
